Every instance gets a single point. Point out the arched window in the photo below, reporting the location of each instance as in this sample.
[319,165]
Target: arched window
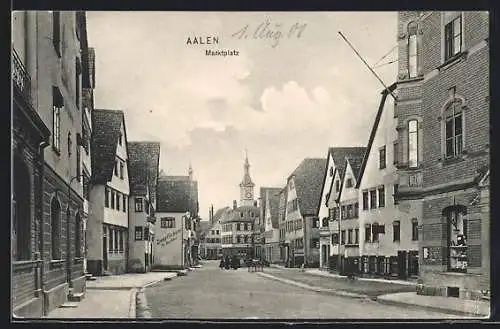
[55,223]
[456,220]
[453,125]
[21,212]
[78,236]
[412,50]
[413,143]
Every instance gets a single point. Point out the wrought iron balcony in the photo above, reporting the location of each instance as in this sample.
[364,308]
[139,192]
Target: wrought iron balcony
[20,77]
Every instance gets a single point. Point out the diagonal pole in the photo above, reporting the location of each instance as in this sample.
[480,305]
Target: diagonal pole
[368,66]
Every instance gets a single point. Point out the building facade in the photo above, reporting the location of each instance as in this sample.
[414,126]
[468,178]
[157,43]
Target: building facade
[108,224]
[30,136]
[238,231]
[55,237]
[444,148]
[330,192]
[304,190]
[144,160]
[282,226]
[387,243]
[177,208]
[212,244]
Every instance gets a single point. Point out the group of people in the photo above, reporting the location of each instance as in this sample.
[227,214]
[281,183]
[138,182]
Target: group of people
[230,262]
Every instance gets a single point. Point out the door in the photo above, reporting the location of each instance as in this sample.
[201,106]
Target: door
[402,261]
[104,253]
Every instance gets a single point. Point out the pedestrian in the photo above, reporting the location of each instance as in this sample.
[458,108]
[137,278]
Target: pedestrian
[221,264]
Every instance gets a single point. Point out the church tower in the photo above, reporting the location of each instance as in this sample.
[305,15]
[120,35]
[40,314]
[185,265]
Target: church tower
[246,186]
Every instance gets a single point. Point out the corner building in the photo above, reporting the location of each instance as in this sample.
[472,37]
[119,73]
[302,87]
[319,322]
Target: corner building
[442,150]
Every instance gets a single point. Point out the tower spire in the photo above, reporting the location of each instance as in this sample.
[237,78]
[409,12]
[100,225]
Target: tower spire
[190,170]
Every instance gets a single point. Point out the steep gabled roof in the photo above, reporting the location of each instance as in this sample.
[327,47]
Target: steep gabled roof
[143,165]
[106,126]
[218,214]
[385,94]
[274,198]
[308,177]
[176,195]
[354,161]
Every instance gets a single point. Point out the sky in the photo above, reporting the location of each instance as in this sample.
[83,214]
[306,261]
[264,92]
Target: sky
[295,88]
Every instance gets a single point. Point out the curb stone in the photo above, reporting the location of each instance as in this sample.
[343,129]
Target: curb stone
[313,288]
[133,303]
[432,308]
[142,308]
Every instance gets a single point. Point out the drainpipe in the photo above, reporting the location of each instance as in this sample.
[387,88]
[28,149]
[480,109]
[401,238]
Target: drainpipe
[41,264]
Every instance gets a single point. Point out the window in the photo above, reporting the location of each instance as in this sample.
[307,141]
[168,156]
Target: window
[337,186]
[376,230]
[57,104]
[116,168]
[350,211]
[453,38]
[324,222]
[238,239]
[107,197]
[396,231]
[381,158]
[342,237]
[86,186]
[78,236]
[250,226]
[368,233]
[365,200]
[349,236]
[124,203]
[331,171]
[315,222]
[335,238]
[414,229]
[238,226]
[78,168]
[113,199]
[56,32]
[138,233]
[78,71]
[457,238]
[453,129]
[121,170]
[381,196]
[356,236]
[120,139]
[348,183]
[120,244]
[315,243]
[138,205]
[217,232]
[396,153]
[395,193]
[245,238]
[69,144]
[343,212]
[111,239]
[412,50]
[55,223]
[373,199]
[413,143]
[356,210]
[167,222]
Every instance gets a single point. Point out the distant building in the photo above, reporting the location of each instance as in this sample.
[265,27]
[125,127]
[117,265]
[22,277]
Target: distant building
[144,159]
[212,244]
[270,222]
[108,224]
[282,225]
[177,208]
[443,147]
[238,230]
[302,224]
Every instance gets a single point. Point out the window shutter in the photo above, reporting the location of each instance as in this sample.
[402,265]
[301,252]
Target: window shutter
[474,255]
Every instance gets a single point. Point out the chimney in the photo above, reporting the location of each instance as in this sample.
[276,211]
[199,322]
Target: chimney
[235,205]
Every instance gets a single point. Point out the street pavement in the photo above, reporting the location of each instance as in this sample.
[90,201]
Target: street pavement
[212,293]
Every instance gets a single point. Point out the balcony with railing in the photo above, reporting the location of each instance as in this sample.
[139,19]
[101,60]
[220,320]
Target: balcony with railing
[21,80]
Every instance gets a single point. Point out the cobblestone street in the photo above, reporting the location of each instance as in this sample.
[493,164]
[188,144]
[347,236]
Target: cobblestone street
[211,293]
